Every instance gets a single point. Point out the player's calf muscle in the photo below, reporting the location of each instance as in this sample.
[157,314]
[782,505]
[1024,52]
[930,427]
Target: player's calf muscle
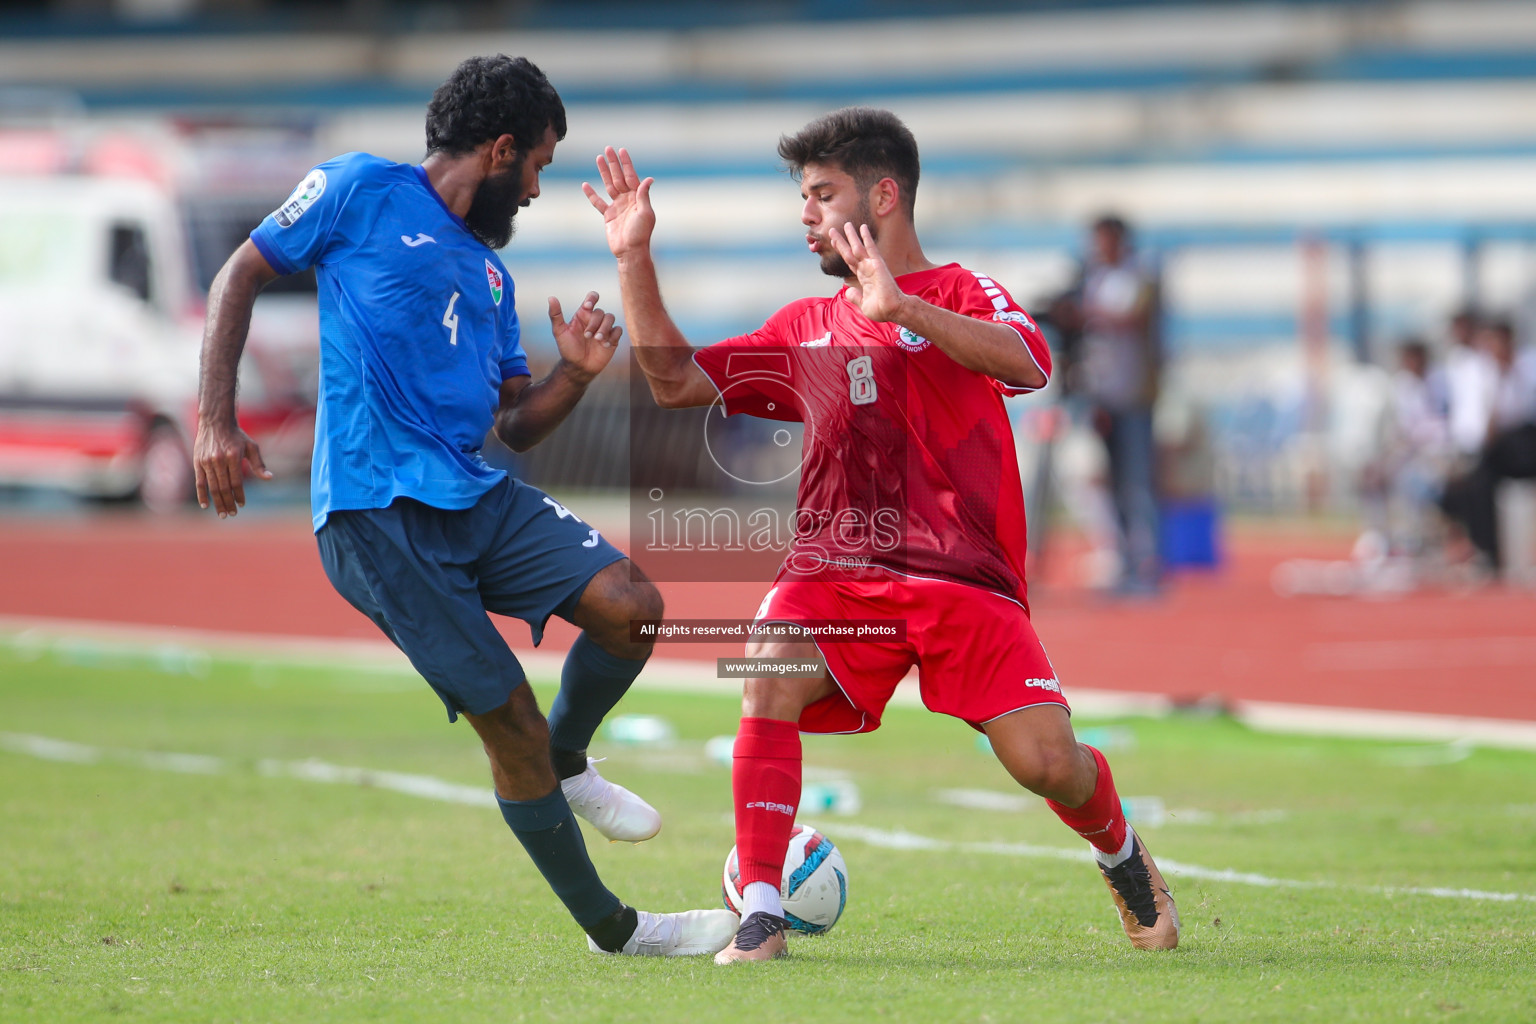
[516,740]
[1064,776]
[1038,749]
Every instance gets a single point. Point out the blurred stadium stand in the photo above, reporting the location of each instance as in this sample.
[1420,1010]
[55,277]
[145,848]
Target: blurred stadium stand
[1396,139]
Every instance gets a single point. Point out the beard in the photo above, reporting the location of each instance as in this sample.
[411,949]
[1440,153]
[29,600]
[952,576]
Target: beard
[832,262]
[491,212]
[833,265]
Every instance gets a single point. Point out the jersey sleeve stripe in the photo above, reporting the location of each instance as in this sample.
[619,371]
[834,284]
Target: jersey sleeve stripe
[1045,371]
[1030,335]
[708,376]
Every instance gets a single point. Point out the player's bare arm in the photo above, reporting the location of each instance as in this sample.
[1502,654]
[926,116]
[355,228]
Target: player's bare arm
[661,351]
[528,412]
[221,449]
[990,348]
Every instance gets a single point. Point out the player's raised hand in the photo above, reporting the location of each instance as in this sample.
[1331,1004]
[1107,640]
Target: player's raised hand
[874,290]
[627,214]
[588,340]
[221,453]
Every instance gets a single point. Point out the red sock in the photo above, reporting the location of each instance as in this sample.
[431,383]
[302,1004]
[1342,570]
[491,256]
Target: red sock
[765,781]
[1100,820]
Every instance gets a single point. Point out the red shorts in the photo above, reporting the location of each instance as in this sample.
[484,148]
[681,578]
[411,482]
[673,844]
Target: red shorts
[977,654]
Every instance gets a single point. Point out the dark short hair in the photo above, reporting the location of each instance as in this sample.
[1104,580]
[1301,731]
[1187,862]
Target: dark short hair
[1414,347]
[865,143]
[1112,222]
[488,97]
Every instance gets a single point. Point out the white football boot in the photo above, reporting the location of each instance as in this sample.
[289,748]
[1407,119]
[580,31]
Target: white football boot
[690,933]
[613,810]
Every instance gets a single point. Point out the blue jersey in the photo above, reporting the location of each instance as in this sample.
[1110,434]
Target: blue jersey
[417,332]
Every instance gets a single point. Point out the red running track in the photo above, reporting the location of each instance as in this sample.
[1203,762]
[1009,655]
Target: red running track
[1224,633]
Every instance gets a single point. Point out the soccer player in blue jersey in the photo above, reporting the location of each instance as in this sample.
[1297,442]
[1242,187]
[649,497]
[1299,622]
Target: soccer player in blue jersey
[420,355]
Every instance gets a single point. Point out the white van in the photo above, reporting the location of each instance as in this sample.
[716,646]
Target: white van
[102,293]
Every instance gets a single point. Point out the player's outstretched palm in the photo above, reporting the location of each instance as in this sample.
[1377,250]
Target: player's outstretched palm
[875,291]
[589,338]
[628,218]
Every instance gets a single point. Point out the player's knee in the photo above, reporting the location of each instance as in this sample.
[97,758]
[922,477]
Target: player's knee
[616,597]
[782,699]
[643,601]
[638,601]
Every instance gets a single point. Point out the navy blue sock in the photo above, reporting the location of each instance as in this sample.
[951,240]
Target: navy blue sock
[591,683]
[548,831]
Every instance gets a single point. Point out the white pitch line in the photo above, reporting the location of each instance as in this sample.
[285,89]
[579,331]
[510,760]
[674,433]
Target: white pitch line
[424,786]
[427,787]
[902,840]
[50,749]
[1360,723]
[188,649]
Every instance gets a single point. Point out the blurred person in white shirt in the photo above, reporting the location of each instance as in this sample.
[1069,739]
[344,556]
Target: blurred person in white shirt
[1466,382]
[1508,446]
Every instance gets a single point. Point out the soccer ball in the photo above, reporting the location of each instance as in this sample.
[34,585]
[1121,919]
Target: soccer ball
[814,887]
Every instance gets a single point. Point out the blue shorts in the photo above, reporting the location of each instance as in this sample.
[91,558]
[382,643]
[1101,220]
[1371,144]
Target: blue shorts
[427,576]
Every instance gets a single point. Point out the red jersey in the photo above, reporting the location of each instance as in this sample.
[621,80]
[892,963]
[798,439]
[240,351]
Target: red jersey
[908,460]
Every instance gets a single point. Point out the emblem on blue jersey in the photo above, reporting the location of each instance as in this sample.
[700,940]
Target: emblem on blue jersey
[302,198]
[911,342]
[493,278]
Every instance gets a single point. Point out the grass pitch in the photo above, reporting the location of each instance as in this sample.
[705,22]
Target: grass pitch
[219,888]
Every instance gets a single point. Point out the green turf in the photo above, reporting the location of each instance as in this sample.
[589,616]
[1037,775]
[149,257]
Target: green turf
[128,893]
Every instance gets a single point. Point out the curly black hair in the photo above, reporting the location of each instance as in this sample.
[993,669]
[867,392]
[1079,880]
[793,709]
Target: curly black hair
[487,97]
[865,143]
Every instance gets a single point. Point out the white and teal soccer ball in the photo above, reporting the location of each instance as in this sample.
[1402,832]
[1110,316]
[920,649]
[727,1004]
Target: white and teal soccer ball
[814,887]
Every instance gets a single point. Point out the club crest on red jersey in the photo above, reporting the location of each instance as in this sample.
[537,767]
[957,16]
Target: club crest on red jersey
[493,278]
[911,342]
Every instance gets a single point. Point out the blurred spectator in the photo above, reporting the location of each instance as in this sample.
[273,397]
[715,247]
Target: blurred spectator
[1466,383]
[1508,449]
[1069,461]
[1117,375]
[1514,396]
[1415,456]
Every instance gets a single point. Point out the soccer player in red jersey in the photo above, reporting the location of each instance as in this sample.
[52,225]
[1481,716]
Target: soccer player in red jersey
[909,507]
